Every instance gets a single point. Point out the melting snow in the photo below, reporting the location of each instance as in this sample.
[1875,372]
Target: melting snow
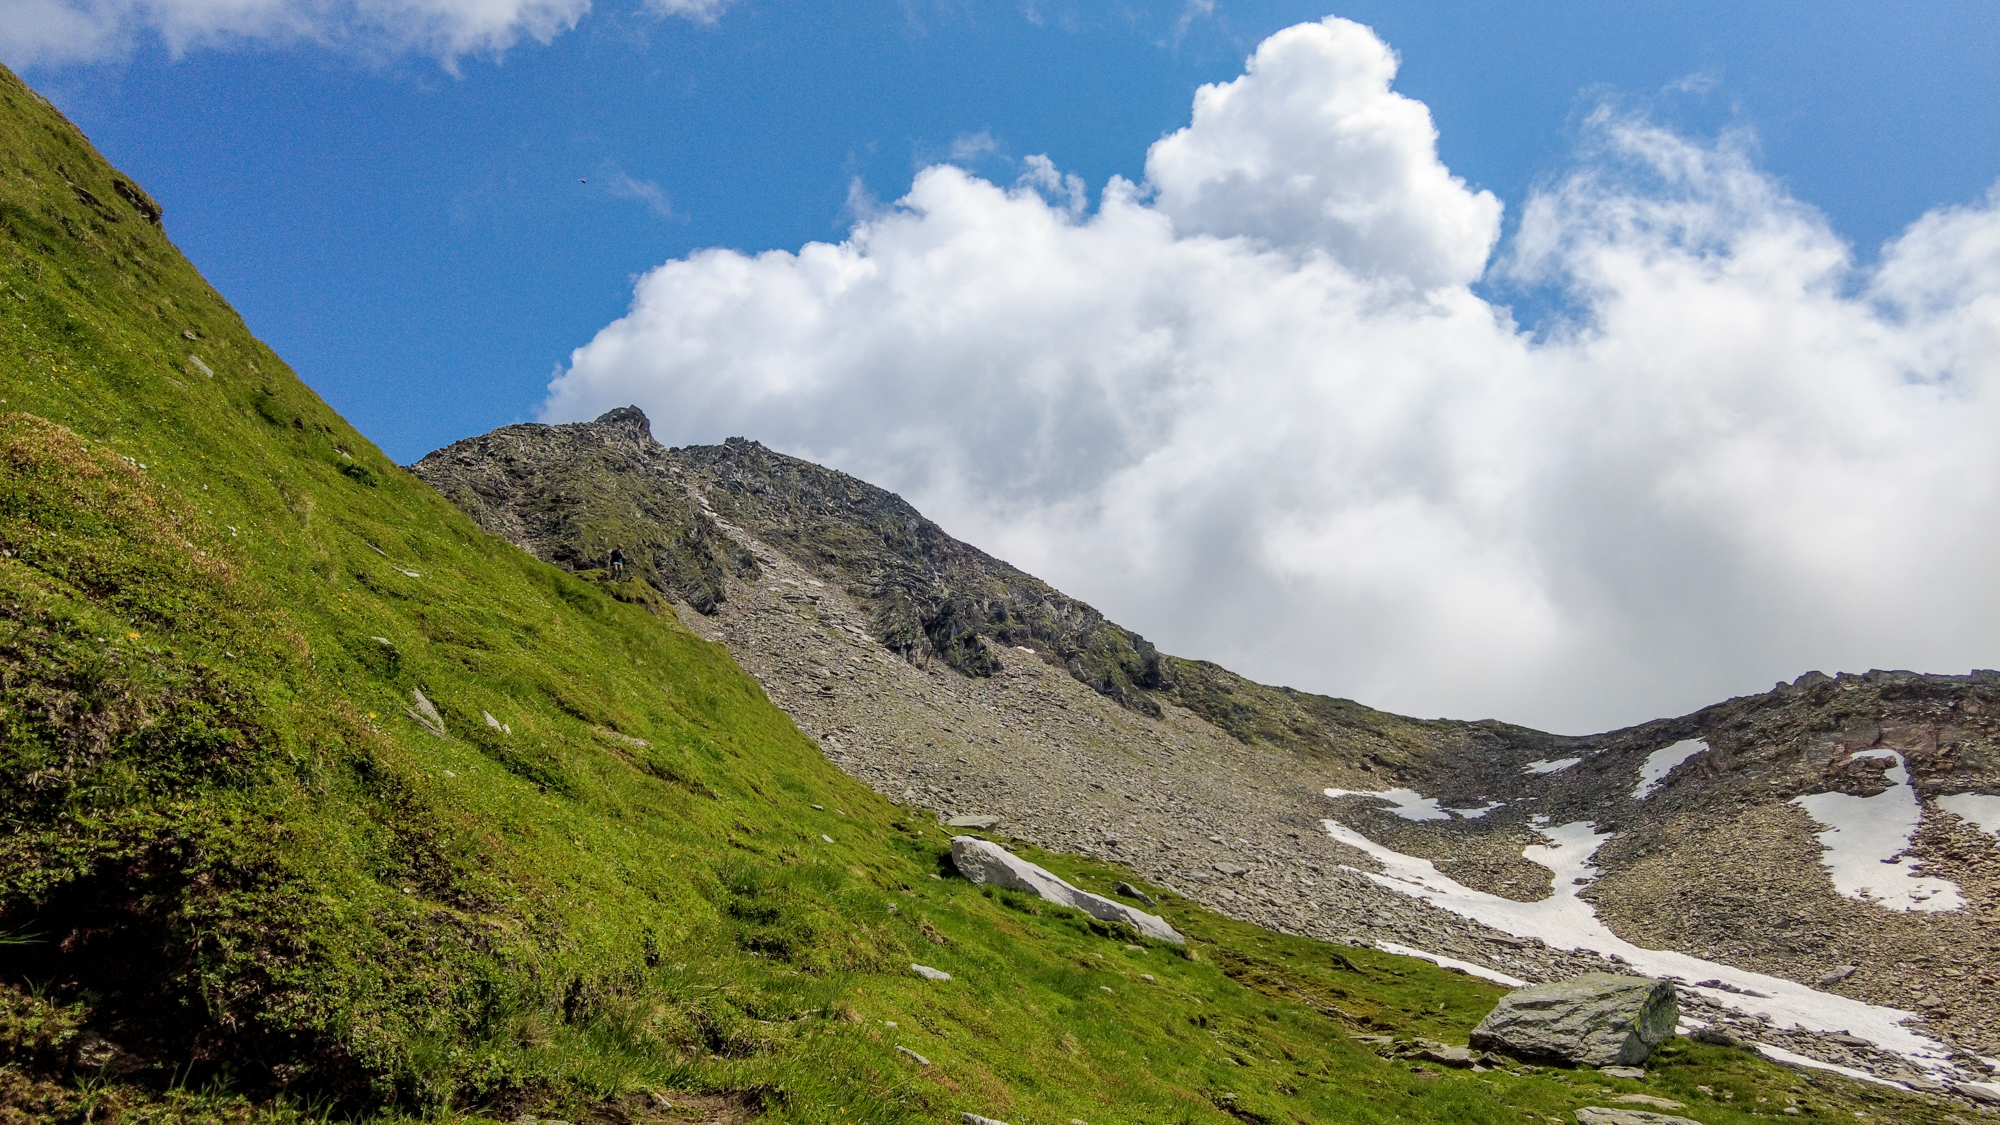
[1412,805]
[1557,766]
[1866,841]
[1982,809]
[1466,967]
[1565,921]
[1408,803]
[1790,1058]
[1662,762]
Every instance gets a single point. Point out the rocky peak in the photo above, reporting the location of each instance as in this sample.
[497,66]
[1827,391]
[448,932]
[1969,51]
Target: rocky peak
[629,421]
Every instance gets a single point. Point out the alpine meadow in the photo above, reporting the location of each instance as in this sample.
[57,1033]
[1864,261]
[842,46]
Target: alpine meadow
[319,801]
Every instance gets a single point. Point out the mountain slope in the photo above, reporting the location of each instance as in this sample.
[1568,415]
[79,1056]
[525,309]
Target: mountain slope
[317,800]
[1218,787]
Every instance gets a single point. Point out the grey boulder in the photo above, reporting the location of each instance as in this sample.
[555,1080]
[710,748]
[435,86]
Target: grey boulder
[1600,1115]
[980,821]
[1599,1019]
[1986,1093]
[1130,891]
[985,862]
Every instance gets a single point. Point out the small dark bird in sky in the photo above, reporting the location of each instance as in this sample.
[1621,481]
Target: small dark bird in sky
[583,181]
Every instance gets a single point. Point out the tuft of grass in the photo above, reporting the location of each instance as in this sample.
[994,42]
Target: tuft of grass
[261,847]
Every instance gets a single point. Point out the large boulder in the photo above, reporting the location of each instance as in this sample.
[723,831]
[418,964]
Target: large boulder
[1599,1019]
[983,861]
[1600,1115]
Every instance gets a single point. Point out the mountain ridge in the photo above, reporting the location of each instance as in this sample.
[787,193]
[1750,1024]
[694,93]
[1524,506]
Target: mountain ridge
[930,595]
[1262,759]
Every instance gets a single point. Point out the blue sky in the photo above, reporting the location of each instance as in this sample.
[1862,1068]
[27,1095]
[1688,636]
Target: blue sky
[1573,363]
[420,249]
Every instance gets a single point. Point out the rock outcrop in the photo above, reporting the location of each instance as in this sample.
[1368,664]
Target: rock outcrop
[1598,1019]
[983,861]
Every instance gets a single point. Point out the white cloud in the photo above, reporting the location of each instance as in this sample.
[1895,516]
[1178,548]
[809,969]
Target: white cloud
[1064,191]
[700,11]
[58,32]
[968,147]
[622,185]
[1311,148]
[1252,409]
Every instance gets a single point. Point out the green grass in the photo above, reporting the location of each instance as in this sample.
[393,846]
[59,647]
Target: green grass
[226,845]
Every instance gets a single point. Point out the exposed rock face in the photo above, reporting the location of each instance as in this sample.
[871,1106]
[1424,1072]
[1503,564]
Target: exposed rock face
[570,494]
[1598,1018]
[932,595]
[983,861]
[567,494]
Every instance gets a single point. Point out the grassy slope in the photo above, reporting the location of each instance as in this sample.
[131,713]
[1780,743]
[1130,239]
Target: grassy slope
[227,846]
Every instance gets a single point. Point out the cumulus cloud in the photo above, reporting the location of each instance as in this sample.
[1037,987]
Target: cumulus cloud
[1311,148]
[1253,407]
[57,32]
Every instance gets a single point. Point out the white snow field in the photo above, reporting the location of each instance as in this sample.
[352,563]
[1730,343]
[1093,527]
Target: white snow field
[1409,804]
[1662,762]
[1982,809]
[1565,921]
[1866,840]
[1545,766]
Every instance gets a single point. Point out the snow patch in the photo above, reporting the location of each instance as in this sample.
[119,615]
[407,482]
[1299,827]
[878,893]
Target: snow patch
[1412,805]
[1866,841]
[1466,967]
[1565,921]
[1407,803]
[1662,762]
[1545,766]
[1982,809]
[1791,1058]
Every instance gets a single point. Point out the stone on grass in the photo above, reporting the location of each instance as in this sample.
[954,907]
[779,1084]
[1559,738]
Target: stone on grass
[928,973]
[979,821]
[1600,1019]
[914,1057]
[1649,1101]
[1445,1056]
[426,714]
[1130,891]
[975,1119]
[1633,1072]
[1602,1115]
[984,862]
[1714,1037]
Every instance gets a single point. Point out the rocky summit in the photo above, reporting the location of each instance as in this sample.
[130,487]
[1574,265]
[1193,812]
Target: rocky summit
[1728,849]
